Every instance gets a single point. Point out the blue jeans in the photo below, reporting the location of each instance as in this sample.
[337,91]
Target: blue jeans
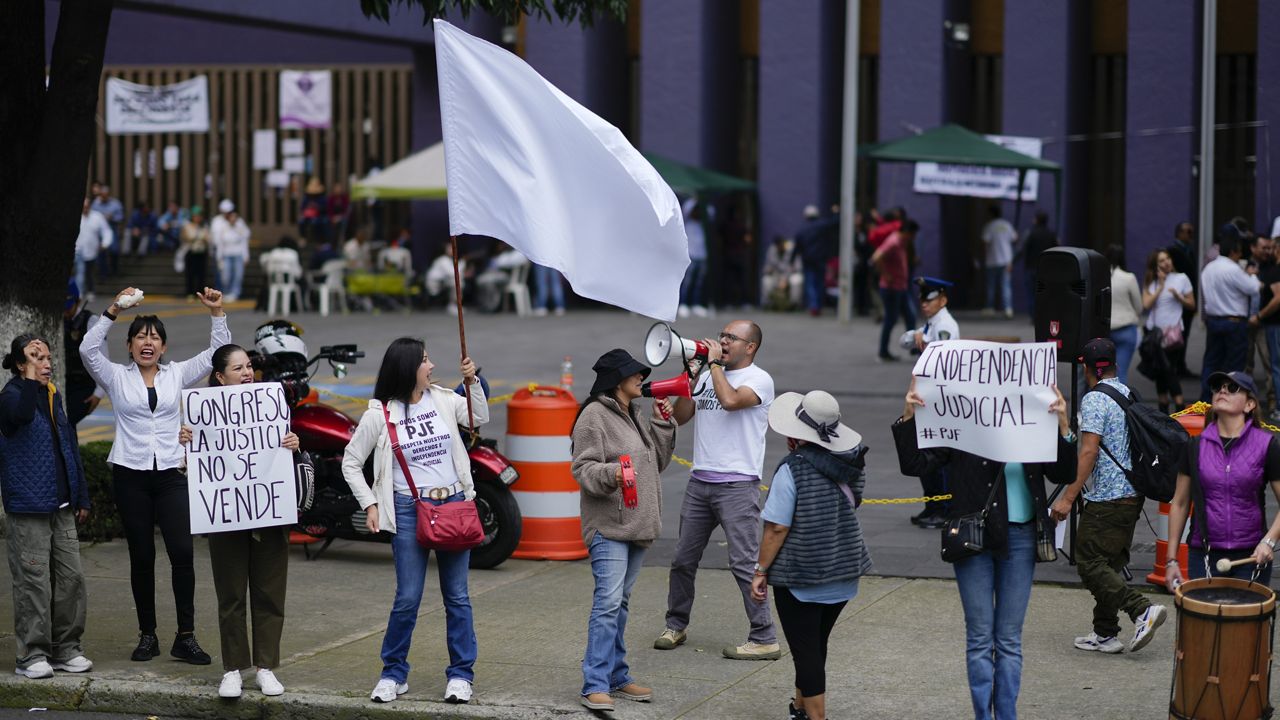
[232,275]
[1126,340]
[895,302]
[548,281]
[691,287]
[411,574]
[995,587]
[1226,346]
[997,276]
[815,285]
[615,566]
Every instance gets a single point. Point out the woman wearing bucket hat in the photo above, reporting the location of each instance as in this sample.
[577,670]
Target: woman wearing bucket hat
[995,584]
[1223,474]
[812,551]
[618,461]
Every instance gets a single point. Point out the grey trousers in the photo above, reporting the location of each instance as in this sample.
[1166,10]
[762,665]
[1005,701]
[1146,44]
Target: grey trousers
[735,507]
[250,575]
[48,586]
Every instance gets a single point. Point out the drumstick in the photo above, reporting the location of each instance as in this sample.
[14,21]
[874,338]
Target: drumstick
[1225,565]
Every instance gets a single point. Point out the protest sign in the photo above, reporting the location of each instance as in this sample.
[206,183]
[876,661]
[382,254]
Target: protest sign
[306,99]
[980,180]
[238,476]
[989,399]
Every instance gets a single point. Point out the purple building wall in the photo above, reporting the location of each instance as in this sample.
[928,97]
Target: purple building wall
[1162,92]
[1038,79]
[797,110]
[912,96]
[588,64]
[1267,191]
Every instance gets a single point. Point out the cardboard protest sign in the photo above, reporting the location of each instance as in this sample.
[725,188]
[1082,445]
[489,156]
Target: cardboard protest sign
[238,476]
[989,399]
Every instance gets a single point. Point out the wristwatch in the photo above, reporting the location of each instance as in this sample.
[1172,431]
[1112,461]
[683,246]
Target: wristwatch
[761,570]
[717,362]
[1268,542]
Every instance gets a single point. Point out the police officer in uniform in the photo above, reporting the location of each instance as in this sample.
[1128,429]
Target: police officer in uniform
[938,326]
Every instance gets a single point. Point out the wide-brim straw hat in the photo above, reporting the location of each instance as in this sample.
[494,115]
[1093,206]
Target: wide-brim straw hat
[315,187]
[813,417]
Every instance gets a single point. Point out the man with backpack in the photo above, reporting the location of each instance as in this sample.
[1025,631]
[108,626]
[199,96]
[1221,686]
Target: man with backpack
[1112,506]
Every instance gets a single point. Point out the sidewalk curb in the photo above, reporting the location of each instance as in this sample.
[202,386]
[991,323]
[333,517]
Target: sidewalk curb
[167,700]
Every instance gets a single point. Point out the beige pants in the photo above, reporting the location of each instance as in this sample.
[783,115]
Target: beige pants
[49,598]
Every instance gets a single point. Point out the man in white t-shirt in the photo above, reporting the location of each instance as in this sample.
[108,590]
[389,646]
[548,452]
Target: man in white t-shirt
[730,409]
[998,237]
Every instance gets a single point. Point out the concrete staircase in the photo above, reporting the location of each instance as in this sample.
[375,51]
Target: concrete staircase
[155,275]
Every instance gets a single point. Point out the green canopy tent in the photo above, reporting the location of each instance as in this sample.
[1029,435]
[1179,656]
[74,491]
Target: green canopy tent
[691,180]
[955,145]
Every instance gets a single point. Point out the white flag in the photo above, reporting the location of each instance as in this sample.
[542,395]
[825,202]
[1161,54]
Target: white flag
[526,164]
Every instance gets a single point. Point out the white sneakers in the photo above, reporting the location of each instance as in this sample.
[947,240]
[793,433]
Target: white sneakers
[231,685]
[1144,627]
[387,689]
[268,683]
[77,664]
[37,670]
[1093,642]
[458,691]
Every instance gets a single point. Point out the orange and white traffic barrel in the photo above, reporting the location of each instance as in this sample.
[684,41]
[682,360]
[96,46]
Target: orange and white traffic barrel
[539,444]
[1193,423]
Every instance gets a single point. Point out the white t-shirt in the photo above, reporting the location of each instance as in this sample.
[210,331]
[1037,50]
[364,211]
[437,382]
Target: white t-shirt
[427,445]
[999,236]
[1167,311]
[731,441]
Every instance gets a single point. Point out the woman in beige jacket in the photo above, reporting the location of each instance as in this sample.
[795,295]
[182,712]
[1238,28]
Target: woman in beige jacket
[621,504]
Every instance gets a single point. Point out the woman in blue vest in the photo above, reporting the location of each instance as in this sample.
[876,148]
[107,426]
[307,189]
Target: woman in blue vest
[42,482]
[995,584]
[812,551]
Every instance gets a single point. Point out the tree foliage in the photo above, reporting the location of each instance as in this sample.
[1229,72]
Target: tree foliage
[583,12]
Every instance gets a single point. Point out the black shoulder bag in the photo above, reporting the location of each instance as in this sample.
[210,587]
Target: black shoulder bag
[965,536]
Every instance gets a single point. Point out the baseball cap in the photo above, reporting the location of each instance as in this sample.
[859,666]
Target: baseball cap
[1099,352]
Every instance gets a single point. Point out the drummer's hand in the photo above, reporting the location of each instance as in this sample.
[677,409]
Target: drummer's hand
[1172,576]
[1262,555]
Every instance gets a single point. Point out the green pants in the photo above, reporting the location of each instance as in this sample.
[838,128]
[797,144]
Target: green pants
[250,569]
[49,598]
[1102,550]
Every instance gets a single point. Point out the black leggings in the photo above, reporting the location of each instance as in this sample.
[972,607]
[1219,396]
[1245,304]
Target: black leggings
[807,627]
[145,498]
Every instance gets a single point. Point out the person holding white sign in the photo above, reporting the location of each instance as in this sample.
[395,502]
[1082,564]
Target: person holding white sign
[249,566]
[426,418]
[146,459]
[995,582]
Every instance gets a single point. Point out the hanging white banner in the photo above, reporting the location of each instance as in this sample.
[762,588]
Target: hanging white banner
[134,109]
[981,181]
[306,99]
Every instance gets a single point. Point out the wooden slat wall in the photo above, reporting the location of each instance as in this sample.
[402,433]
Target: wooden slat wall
[219,163]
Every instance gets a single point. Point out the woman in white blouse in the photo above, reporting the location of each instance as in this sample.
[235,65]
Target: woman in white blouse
[1126,311]
[146,459]
[1165,293]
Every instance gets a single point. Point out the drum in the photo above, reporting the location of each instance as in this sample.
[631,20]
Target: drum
[1222,658]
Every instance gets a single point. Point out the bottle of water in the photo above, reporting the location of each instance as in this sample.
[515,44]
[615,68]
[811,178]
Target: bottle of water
[566,373]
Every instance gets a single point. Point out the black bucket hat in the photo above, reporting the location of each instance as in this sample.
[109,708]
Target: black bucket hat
[615,366]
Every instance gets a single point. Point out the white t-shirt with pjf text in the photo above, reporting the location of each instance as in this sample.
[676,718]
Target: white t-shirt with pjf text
[731,442]
[427,445]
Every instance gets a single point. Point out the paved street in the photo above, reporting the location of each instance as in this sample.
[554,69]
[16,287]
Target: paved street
[898,651]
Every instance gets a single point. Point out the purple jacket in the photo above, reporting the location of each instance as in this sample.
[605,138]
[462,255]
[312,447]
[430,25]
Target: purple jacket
[1232,483]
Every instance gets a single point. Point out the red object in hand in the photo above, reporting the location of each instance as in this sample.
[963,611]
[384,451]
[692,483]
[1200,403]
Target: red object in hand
[629,496]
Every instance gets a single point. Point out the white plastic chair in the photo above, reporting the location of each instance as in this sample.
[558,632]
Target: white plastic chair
[518,289]
[283,271]
[330,285]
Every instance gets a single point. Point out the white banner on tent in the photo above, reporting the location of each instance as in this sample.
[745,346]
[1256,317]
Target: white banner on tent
[989,399]
[981,181]
[134,109]
[306,99]
[238,476]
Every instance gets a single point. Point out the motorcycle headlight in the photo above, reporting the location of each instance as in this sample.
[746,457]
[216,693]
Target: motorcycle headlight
[508,475]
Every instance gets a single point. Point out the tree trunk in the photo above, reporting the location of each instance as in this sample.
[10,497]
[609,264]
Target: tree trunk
[46,138]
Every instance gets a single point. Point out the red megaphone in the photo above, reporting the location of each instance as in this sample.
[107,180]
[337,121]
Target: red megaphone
[677,386]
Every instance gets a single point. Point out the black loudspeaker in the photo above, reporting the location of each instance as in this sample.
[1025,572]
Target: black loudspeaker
[1073,299]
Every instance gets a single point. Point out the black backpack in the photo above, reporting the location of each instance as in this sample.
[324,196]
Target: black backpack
[1156,444]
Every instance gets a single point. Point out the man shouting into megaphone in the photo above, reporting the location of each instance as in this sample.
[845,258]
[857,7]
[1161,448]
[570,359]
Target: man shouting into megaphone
[730,409]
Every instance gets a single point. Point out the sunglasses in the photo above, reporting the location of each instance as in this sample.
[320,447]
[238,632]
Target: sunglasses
[1232,387]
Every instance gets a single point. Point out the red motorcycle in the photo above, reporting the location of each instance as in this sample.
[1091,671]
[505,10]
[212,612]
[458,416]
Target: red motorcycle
[324,432]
